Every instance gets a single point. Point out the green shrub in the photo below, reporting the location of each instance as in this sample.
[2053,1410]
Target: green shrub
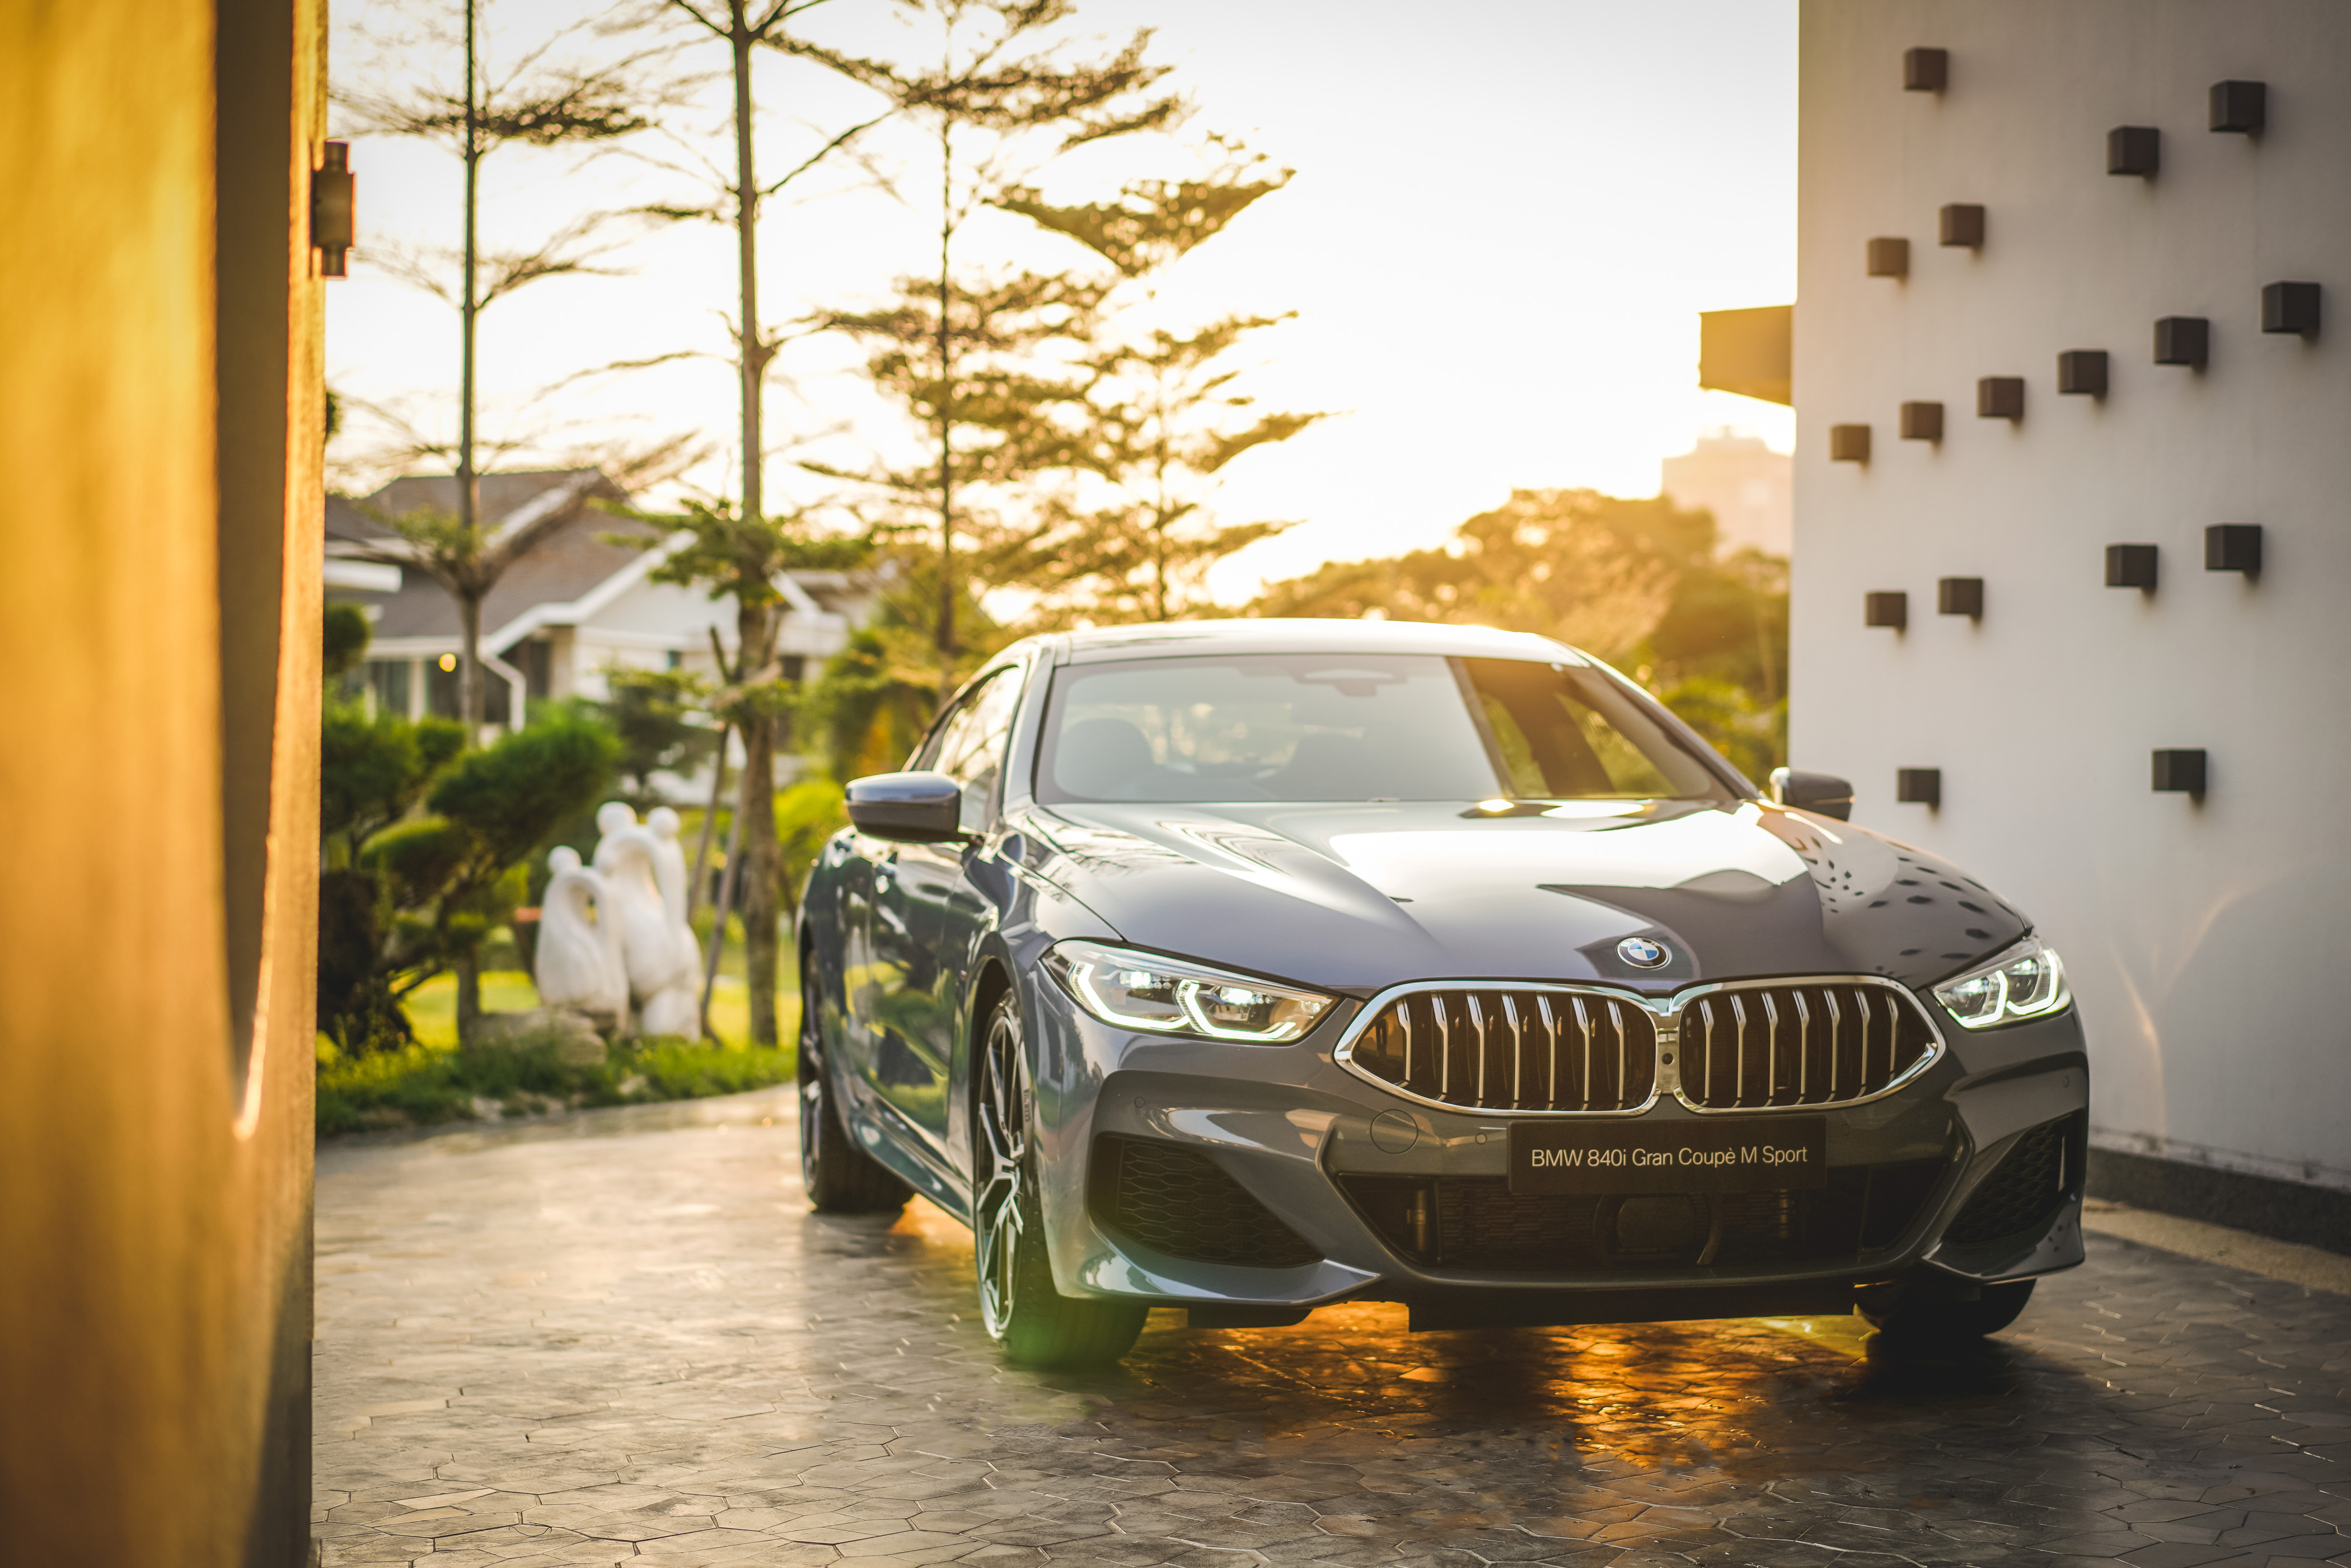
[422,1086]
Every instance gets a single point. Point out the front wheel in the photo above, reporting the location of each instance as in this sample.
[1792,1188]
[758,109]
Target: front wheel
[1036,1325]
[841,1177]
[1924,1324]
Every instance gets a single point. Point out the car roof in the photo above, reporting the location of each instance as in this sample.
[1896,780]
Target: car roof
[1203,638]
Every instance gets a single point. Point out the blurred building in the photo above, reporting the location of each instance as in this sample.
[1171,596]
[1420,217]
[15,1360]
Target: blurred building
[2074,383]
[573,606]
[1749,487]
[161,415]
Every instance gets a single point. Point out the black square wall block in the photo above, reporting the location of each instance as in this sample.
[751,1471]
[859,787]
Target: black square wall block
[2233,546]
[2240,106]
[2001,397]
[2131,566]
[1922,421]
[1959,596]
[1886,609]
[1962,223]
[1929,70]
[2083,371]
[2179,772]
[2133,150]
[1890,258]
[2290,307]
[2183,340]
[1918,786]
[1848,443]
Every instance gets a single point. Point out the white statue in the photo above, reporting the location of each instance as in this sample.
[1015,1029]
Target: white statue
[579,963]
[669,875]
[657,946]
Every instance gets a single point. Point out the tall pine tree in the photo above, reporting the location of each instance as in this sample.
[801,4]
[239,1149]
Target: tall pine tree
[954,349]
[1159,416]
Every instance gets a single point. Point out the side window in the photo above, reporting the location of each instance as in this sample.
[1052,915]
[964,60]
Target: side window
[970,746]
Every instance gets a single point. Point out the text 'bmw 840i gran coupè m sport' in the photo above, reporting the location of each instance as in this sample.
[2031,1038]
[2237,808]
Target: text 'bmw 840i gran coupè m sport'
[1248,967]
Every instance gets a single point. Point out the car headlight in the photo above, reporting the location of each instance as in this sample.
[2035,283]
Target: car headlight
[2028,981]
[1144,990]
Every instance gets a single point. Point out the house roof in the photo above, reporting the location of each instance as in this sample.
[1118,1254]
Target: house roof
[566,571]
[502,496]
[567,559]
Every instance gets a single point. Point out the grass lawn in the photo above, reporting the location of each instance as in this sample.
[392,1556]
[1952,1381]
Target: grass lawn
[433,1082]
[433,1006]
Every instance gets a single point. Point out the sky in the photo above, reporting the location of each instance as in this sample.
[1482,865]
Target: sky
[1505,218]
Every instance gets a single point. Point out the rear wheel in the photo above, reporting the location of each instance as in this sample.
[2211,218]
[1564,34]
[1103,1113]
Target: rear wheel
[1035,1324]
[1906,1320]
[841,1177]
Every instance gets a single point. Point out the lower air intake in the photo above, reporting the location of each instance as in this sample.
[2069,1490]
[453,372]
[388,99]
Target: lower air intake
[1180,1202]
[1479,1223]
[2027,1187]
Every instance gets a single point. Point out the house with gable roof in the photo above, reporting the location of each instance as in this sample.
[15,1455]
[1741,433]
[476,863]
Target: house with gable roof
[574,606]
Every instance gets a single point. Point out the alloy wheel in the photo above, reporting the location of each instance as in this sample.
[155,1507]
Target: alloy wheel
[813,1110]
[999,1206]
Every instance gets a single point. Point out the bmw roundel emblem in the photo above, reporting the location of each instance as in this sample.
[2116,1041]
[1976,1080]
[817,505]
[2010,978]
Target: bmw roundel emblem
[1642,953]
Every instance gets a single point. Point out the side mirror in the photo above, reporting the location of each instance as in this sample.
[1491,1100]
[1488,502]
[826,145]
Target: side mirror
[910,807]
[1823,792]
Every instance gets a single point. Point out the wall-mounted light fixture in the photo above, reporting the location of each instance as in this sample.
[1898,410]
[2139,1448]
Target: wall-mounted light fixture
[2133,150]
[1926,70]
[1886,609]
[1848,443]
[1918,786]
[1922,421]
[2290,307]
[2233,546]
[2240,106]
[333,228]
[2131,566]
[2082,371]
[2000,397]
[2179,772]
[1890,258]
[2183,340]
[1961,223]
[1959,596]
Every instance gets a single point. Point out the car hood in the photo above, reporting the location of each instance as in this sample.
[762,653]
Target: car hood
[1355,897]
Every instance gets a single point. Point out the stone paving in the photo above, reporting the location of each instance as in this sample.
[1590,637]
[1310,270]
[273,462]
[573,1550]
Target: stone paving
[623,1338]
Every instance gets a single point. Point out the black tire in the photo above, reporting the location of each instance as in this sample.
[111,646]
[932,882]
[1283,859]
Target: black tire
[1920,1324]
[1034,1322]
[841,1177]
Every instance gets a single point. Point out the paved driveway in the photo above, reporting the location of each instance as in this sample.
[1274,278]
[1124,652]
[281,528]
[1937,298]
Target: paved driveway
[622,1336]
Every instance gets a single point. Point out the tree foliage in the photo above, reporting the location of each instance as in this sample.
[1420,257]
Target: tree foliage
[1159,416]
[807,815]
[657,717]
[875,698]
[991,418]
[1003,98]
[343,642]
[1636,582]
[424,849]
[744,556]
[535,102]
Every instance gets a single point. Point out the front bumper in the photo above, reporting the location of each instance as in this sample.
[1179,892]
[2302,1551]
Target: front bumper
[1396,1200]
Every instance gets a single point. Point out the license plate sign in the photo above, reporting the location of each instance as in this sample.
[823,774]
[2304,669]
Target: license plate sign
[1741,1154]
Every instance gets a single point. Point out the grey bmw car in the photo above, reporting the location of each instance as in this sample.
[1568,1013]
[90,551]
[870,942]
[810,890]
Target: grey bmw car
[1248,967]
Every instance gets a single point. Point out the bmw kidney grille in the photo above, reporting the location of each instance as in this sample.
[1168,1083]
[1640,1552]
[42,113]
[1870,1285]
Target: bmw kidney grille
[1746,1046]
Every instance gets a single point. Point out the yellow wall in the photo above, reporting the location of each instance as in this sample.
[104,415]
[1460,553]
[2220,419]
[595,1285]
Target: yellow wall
[154,1223]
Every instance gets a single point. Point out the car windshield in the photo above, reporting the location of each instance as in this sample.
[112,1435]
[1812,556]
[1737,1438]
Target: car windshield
[1360,728]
